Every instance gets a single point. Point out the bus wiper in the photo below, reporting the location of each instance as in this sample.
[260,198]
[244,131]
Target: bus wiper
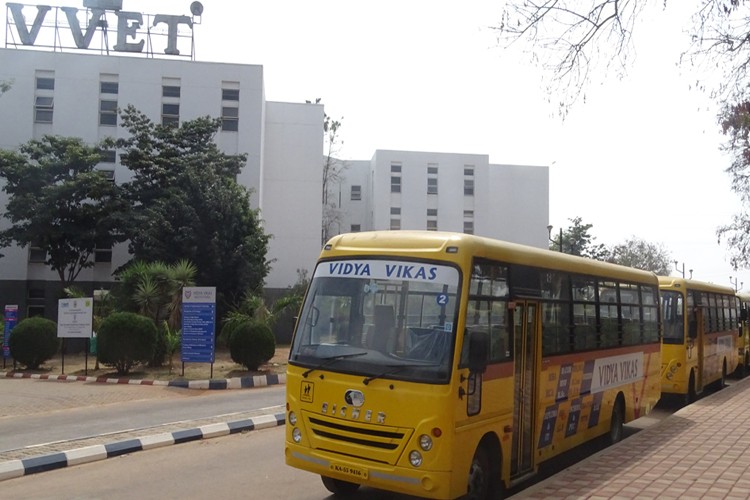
[392,369]
[331,359]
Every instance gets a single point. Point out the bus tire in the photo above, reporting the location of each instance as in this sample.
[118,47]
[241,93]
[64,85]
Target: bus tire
[617,421]
[692,393]
[483,482]
[339,487]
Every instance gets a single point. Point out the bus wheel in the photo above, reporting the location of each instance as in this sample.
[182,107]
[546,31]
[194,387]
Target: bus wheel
[480,476]
[692,394]
[617,421]
[339,487]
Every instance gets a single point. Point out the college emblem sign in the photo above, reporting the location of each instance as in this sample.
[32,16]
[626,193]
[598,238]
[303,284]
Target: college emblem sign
[73,28]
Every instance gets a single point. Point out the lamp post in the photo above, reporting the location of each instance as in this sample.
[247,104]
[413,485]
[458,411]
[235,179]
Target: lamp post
[682,271]
[549,236]
[733,280]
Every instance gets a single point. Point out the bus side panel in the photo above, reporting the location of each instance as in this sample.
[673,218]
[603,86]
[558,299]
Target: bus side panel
[578,392]
[678,361]
[719,347]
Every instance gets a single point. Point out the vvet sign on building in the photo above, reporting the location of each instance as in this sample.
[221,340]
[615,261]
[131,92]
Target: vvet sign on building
[70,27]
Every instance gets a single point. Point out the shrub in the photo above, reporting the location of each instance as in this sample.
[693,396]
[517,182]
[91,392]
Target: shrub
[251,344]
[228,329]
[126,339]
[34,341]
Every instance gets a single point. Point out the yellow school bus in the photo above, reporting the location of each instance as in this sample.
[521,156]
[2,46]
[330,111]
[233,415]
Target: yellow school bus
[743,341]
[440,365]
[701,332]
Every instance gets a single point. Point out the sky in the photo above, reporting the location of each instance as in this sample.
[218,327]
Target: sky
[640,157]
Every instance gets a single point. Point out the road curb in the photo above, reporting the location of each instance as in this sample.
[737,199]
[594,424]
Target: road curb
[58,460]
[212,384]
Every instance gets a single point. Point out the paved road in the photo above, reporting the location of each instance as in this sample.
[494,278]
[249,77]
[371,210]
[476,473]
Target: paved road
[36,412]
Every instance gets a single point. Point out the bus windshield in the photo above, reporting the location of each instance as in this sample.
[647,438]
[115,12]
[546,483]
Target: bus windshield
[380,319]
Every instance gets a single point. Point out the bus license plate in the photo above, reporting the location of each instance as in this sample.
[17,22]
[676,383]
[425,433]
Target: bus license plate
[348,470]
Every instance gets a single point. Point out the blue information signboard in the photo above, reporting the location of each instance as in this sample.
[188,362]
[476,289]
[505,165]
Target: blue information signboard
[198,324]
[10,318]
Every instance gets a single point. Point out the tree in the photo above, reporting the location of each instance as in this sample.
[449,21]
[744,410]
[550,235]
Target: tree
[735,122]
[187,204]
[60,203]
[333,168]
[570,38]
[576,240]
[640,254]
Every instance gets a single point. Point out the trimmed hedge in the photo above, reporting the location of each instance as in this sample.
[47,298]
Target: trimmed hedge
[126,339]
[251,344]
[34,341]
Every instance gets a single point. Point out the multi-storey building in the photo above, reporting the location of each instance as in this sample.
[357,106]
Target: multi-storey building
[77,95]
[445,192]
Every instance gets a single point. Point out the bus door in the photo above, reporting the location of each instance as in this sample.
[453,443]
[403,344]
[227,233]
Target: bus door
[526,369]
[696,346]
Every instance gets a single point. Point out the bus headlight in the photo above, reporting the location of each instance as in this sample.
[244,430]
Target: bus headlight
[415,458]
[296,435]
[292,418]
[425,442]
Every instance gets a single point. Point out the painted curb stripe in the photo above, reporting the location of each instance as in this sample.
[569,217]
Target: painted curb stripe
[44,463]
[123,447]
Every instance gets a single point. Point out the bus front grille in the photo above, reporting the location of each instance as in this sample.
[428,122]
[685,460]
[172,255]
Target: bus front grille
[372,442]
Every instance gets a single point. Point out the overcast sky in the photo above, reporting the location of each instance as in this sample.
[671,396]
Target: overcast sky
[639,158]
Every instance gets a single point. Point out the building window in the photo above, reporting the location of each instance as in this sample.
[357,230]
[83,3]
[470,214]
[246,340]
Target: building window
[469,226]
[37,254]
[356,228]
[43,109]
[108,174]
[230,94]
[102,253]
[109,87]
[34,311]
[107,112]
[395,210]
[395,224]
[170,114]
[230,119]
[432,169]
[432,215]
[170,91]
[395,184]
[356,193]
[432,225]
[45,83]
[432,212]
[468,180]
[432,185]
[395,168]
[108,156]
[36,293]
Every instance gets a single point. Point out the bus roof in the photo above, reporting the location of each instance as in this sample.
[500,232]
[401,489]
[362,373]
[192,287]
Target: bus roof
[435,245]
[677,282]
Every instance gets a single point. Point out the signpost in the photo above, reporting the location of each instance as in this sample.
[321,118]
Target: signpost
[10,318]
[198,326]
[75,319]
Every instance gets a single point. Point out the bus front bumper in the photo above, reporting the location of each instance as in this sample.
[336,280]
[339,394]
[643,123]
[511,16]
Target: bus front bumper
[414,481]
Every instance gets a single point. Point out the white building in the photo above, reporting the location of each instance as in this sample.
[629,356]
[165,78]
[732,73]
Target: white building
[445,192]
[73,94]
[76,93]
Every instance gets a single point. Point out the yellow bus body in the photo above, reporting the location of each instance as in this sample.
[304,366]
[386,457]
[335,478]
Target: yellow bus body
[567,398]
[693,362]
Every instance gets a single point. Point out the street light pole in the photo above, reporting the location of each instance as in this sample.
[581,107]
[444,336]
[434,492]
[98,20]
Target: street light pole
[549,237]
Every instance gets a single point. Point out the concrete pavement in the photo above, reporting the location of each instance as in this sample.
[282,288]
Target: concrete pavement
[57,393]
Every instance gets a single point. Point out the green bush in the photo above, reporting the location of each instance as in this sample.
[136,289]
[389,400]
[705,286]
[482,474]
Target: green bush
[34,341]
[126,339]
[251,344]
[227,330]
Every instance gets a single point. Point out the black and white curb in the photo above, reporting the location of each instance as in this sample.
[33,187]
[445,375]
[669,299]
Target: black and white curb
[23,467]
[212,384]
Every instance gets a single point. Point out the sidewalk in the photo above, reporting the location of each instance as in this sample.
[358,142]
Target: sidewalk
[60,454]
[701,451]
